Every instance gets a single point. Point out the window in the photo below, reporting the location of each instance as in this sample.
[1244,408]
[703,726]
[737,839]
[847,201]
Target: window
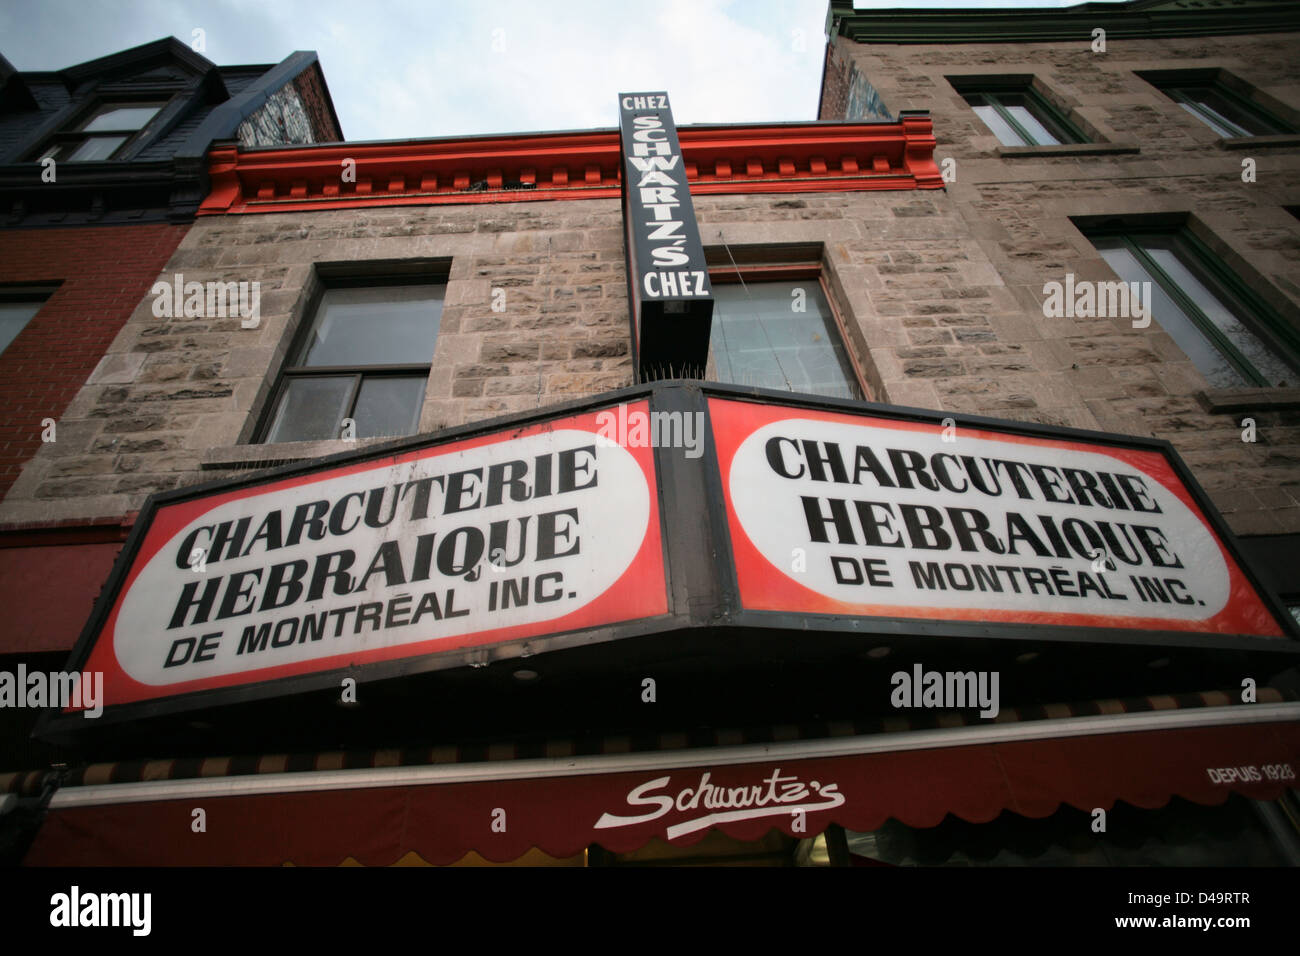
[16,309]
[1225,330]
[779,333]
[1016,113]
[102,134]
[364,356]
[1226,112]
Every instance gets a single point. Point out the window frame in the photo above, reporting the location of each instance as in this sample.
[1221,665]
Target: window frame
[1250,309]
[288,373]
[992,88]
[739,273]
[1232,89]
[73,135]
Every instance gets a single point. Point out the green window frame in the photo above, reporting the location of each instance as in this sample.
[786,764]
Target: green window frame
[1007,109]
[1262,331]
[1212,103]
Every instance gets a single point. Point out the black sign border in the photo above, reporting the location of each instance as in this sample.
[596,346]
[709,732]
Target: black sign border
[1022,632]
[54,724]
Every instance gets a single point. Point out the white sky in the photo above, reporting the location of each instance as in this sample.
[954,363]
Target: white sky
[401,69]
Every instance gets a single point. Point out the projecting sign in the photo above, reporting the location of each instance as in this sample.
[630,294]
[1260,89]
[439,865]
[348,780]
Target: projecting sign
[843,514]
[540,530]
[781,512]
[671,300]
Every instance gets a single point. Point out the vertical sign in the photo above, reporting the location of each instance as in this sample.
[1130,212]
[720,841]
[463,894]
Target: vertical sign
[669,295]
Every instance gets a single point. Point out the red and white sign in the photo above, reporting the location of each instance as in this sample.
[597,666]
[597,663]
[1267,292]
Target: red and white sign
[540,530]
[846,514]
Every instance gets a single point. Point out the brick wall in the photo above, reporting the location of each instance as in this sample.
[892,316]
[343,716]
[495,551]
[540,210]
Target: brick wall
[835,84]
[1103,373]
[104,273]
[310,84]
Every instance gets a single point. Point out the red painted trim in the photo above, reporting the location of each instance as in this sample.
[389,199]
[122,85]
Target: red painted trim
[808,157]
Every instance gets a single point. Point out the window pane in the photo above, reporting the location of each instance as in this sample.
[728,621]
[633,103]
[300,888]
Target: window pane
[1224,113]
[96,147]
[1004,131]
[311,409]
[760,339]
[121,117]
[389,406]
[1166,313]
[1022,115]
[14,316]
[1216,123]
[1265,361]
[389,325]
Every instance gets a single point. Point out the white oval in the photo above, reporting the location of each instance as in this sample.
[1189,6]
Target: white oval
[612,519]
[769,509]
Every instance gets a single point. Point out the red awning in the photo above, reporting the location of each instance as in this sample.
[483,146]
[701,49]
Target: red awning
[503,809]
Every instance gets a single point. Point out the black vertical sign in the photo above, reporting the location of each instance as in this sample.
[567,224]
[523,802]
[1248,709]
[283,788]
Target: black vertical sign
[669,294]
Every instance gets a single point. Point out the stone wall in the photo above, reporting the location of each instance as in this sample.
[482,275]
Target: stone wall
[1152,158]
[175,401]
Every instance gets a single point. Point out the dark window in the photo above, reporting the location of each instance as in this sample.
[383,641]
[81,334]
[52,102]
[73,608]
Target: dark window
[779,333]
[1225,330]
[1016,113]
[1218,100]
[364,356]
[102,134]
[17,307]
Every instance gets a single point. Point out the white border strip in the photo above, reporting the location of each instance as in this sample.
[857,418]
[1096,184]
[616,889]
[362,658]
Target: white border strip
[251,784]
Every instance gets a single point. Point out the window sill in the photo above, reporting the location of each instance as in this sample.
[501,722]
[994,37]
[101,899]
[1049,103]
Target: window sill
[1068,149]
[1249,399]
[1252,142]
[283,453]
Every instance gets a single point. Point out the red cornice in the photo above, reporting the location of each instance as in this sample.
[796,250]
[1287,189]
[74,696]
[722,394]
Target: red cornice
[787,158]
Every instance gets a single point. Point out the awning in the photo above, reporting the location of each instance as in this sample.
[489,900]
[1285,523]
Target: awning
[503,808]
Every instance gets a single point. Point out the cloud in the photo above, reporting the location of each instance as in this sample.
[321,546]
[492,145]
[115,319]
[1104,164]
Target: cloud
[406,69]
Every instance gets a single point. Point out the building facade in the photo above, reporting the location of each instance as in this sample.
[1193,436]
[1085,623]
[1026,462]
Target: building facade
[435,303]
[1136,157]
[102,166]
